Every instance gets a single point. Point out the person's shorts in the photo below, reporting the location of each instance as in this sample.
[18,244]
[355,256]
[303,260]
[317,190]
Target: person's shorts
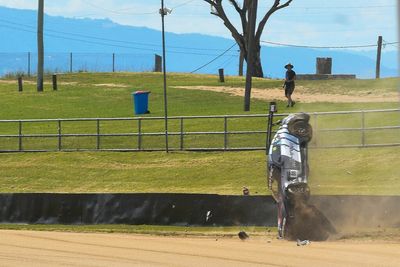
[289,88]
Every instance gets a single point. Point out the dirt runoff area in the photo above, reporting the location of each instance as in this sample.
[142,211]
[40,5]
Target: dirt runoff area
[31,248]
[300,94]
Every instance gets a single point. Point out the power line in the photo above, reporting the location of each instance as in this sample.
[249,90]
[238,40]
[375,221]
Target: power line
[321,7]
[344,7]
[325,47]
[211,61]
[183,4]
[123,11]
[226,63]
[118,11]
[395,44]
[177,52]
[107,44]
[112,40]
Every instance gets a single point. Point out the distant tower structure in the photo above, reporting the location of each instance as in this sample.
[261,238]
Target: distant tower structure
[324,65]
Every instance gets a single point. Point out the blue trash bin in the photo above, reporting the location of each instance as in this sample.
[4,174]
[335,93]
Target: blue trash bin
[141,102]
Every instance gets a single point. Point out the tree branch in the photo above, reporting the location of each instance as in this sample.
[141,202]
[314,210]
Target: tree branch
[217,5]
[211,2]
[245,5]
[272,10]
[236,6]
[242,13]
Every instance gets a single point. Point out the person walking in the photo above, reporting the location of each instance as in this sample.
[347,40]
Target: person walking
[289,84]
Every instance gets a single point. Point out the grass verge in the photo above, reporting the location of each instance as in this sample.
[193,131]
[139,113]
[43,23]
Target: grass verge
[364,171]
[158,230]
[269,233]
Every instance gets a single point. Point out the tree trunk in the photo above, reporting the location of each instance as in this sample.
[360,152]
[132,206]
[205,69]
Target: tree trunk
[40,46]
[257,66]
[241,60]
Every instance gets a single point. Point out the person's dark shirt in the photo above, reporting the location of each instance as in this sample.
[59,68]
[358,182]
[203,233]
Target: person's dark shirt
[290,74]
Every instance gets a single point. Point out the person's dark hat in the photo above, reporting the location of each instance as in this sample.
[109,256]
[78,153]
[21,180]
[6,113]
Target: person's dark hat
[289,65]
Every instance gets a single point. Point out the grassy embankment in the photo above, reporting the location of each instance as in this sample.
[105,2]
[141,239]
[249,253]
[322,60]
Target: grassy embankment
[333,171]
[109,95]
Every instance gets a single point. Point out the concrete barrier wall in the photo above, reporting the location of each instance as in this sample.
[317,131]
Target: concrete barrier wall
[187,209]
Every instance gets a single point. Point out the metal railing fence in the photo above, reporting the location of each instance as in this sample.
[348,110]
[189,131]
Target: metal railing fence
[367,128]
[26,63]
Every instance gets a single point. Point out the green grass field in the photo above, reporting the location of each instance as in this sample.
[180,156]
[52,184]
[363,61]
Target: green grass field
[80,96]
[333,171]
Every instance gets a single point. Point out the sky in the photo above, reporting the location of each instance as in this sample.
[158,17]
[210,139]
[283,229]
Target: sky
[304,22]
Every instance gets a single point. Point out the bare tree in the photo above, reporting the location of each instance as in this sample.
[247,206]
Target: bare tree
[241,36]
[40,46]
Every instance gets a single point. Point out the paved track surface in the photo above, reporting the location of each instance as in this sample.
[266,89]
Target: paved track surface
[29,248]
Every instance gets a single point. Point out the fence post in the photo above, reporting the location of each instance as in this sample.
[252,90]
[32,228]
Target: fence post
[98,134]
[54,82]
[378,58]
[221,75]
[113,62]
[315,129]
[20,135]
[225,133]
[29,64]
[20,85]
[139,134]
[59,135]
[70,62]
[181,145]
[363,128]
[157,63]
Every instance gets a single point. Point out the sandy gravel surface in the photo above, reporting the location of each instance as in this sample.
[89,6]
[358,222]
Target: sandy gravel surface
[29,248]
[300,94]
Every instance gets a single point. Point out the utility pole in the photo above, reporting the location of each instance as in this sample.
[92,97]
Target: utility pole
[163,12]
[40,46]
[250,52]
[378,58]
[398,45]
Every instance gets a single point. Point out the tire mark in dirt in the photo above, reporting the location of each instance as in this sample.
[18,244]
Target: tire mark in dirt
[107,258]
[154,251]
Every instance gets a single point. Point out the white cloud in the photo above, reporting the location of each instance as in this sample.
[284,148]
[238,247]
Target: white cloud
[22,4]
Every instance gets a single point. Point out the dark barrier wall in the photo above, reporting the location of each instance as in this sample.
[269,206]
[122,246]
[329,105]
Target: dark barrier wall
[187,209]
[160,209]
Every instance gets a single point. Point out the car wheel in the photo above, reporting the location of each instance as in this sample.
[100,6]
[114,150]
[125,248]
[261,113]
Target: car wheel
[301,129]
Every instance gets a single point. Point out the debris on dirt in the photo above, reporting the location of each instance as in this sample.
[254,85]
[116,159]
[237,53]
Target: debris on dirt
[208,215]
[246,191]
[303,243]
[243,235]
[310,224]
[349,172]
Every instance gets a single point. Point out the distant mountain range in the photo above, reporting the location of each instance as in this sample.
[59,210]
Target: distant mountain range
[96,39]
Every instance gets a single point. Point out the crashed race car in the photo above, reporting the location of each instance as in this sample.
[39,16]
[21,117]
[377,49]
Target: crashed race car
[288,172]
